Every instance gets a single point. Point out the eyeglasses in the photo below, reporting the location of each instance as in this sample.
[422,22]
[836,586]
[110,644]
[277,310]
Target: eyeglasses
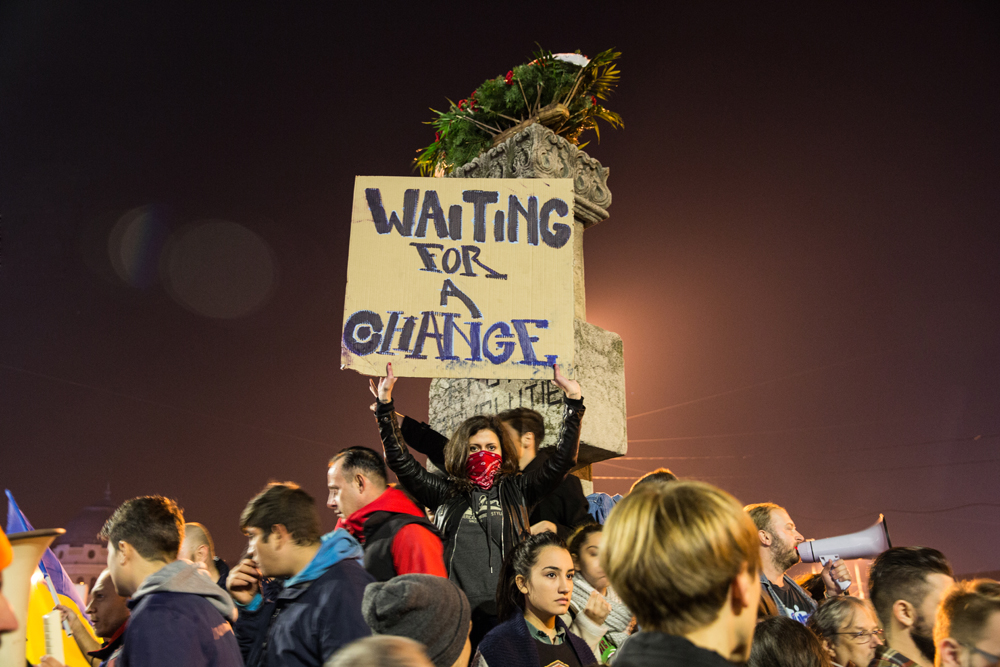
[994,659]
[863,636]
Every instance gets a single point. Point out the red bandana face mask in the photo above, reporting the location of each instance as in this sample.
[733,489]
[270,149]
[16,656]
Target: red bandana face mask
[482,467]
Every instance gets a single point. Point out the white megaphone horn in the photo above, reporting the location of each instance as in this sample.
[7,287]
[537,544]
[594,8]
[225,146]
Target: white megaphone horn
[866,543]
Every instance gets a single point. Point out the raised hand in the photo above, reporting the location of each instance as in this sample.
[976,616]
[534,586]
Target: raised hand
[74,621]
[833,574]
[570,387]
[384,390]
[80,633]
[597,608]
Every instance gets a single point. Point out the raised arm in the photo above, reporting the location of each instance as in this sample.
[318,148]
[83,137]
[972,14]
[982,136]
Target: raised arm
[538,483]
[418,435]
[426,487]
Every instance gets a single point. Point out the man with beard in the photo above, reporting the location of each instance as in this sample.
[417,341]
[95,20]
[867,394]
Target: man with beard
[779,540]
[905,585]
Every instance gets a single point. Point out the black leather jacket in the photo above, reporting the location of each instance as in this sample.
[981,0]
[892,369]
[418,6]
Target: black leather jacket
[518,493]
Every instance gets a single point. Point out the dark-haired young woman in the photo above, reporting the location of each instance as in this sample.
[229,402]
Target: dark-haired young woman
[595,614]
[779,641]
[535,588]
[482,505]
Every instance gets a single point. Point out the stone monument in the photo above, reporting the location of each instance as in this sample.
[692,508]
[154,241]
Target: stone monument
[537,152]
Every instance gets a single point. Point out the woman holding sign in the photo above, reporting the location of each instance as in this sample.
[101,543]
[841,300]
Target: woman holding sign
[482,505]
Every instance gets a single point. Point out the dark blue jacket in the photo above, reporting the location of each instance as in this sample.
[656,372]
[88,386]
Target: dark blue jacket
[178,619]
[510,645]
[304,621]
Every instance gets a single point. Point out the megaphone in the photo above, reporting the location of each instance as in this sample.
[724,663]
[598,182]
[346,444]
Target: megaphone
[28,549]
[867,543]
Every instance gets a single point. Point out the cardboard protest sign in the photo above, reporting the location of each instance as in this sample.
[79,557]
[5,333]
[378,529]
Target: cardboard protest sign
[464,278]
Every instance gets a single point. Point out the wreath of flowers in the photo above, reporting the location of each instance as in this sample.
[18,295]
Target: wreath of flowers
[562,92]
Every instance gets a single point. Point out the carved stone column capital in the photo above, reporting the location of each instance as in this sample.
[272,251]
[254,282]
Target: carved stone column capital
[538,152]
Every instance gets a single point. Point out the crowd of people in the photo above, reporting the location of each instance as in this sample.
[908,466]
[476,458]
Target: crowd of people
[493,559]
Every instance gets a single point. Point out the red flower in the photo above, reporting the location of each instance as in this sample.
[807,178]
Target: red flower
[437,137]
[461,104]
[593,100]
[509,79]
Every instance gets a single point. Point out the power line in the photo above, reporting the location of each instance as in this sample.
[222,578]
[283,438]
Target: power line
[861,471]
[919,443]
[795,429]
[757,384]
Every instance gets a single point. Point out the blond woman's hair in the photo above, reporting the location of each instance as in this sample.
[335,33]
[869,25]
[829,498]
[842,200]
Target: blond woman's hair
[671,552]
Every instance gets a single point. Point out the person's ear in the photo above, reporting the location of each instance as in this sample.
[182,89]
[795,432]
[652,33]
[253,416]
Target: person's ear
[360,483]
[828,647]
[765,537]
[742,593]
[279,535]
[528,440]
[950,652]
[124,552]
[904,613]
[520,583]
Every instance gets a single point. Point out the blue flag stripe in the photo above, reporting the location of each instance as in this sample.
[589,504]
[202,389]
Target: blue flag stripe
[18,523]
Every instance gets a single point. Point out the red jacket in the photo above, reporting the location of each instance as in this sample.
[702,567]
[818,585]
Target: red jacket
[415,549]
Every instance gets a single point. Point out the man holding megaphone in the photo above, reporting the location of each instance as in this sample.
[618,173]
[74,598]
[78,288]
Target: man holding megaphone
[779,541]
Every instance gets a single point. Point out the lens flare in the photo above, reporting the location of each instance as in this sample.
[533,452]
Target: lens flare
[135,244]
[219,269]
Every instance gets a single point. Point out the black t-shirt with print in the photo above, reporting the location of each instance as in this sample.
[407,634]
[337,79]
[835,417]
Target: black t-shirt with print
[556,655]
[800,606]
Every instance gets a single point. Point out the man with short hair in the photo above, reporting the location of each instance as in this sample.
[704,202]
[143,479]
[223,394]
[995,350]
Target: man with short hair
[658,475]
[561,511]
[778,543]
[109,614]
[395,533]
[684,558]
[179,617]
[565,508]
[967,627]
[905,585]
[199,548]
[315,607]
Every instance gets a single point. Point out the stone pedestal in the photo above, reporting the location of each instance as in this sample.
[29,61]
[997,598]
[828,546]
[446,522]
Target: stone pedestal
[600,370]
[537,152]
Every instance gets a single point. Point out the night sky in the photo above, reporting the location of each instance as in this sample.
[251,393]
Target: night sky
[802,257]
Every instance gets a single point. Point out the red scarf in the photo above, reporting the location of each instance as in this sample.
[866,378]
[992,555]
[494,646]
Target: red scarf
[482,467]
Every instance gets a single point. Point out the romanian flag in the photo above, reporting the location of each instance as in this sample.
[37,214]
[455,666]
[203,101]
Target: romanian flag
[41,601]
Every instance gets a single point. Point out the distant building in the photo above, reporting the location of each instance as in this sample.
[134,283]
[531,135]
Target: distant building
[80,550]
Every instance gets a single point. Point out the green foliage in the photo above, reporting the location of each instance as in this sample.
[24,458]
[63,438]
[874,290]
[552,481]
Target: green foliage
[468,127]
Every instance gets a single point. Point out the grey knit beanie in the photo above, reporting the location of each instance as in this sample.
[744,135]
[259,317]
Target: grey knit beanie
[432,610]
